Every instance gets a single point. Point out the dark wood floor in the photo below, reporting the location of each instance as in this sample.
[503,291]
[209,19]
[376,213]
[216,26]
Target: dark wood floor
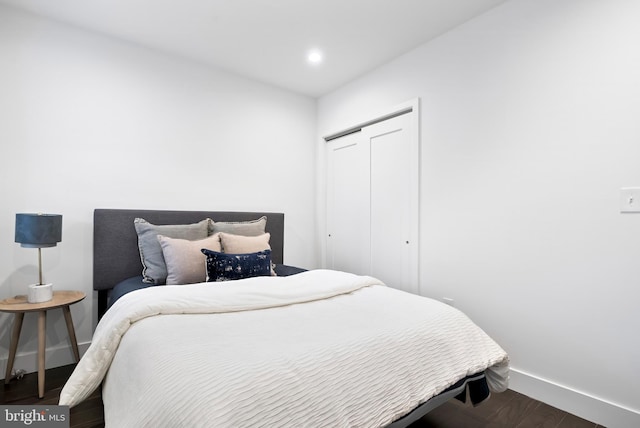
[509,409]
[88,414]
[506,410]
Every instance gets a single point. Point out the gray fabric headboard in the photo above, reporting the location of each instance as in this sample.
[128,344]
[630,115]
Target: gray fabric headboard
[115,242]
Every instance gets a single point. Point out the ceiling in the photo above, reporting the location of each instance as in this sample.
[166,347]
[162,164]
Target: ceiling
[268,40]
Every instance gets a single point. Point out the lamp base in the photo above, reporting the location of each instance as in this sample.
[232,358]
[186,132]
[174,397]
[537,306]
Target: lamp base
[39,293]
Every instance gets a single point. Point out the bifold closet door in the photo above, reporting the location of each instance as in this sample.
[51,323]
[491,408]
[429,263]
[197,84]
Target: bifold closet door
[372,202]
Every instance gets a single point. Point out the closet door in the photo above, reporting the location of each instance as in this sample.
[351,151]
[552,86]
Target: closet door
[348,221]
[373,202]
[393,202]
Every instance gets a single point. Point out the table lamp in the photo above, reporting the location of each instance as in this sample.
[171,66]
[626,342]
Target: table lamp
[39,231]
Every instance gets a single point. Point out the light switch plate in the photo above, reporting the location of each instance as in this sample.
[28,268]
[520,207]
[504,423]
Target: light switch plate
[630,200]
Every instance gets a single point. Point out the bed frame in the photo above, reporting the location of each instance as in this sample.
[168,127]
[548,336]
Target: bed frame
[115,243]
[116,257]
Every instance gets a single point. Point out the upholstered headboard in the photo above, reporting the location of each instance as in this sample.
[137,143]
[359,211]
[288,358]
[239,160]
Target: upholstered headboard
[115,243]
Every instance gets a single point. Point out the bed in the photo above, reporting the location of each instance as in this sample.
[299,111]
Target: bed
[302,348]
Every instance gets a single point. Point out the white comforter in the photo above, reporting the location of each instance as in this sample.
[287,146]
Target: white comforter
[317,349]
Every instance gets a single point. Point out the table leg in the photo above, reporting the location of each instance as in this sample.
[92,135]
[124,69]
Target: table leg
[42,336]
[15,335]
[72,332]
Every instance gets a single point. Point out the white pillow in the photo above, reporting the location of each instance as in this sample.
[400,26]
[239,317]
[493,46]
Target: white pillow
[238,244]
[184,259]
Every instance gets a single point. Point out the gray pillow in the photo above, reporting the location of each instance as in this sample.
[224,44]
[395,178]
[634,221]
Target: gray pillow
[154,270]
[244,228]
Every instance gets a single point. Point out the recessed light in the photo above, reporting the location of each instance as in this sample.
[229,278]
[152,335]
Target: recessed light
[314,57]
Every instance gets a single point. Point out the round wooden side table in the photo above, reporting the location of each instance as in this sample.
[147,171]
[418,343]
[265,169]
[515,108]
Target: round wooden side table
[19,306]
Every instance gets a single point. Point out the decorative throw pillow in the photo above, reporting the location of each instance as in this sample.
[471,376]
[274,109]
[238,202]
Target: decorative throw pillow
[154,270]
[225,267]
[238,244]
[184,260]
[245,228]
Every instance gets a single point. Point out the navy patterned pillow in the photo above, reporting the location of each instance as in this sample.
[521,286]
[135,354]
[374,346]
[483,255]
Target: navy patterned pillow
[225,267]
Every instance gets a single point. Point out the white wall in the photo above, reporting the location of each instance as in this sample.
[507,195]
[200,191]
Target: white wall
[87,122]
[529,127]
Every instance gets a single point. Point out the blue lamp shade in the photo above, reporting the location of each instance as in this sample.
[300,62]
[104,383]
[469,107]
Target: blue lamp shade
[38,230]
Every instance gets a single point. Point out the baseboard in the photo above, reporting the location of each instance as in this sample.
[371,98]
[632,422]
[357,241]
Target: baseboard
[56,356]
[594,409]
